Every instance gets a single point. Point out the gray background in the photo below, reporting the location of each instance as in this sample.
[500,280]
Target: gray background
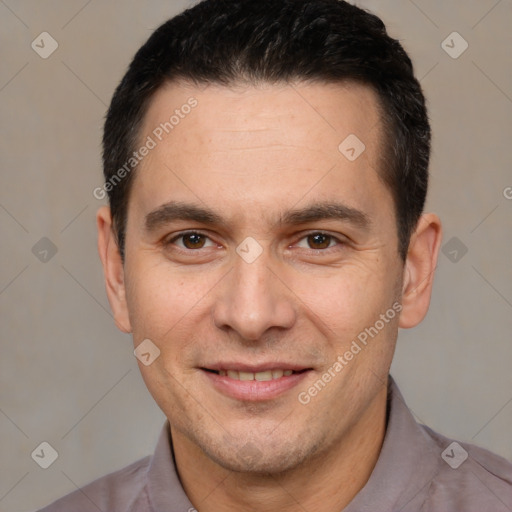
[69,377]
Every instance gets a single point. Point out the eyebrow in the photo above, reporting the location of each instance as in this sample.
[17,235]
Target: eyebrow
[174,210]
[324,211]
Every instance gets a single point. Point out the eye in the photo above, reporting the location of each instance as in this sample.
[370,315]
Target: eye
[319,241]
[191,240]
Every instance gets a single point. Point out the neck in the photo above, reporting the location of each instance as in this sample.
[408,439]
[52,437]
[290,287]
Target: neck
[326,482]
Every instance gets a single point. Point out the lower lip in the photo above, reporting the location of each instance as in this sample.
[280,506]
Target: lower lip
[254,390]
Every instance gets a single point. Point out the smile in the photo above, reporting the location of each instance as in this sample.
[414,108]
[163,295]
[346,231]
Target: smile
[259,376]
[254,385]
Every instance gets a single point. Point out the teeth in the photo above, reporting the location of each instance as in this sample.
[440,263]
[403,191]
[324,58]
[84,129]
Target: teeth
[263,375]
[277,374]
[259,376]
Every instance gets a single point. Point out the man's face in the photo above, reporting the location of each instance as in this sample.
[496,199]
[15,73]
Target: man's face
[296,259]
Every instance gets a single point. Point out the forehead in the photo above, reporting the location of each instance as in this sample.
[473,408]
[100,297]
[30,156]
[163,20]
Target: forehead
[262,145]
[319,115]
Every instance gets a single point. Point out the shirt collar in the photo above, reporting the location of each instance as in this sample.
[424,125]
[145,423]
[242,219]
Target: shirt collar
[407,463]
[164,486]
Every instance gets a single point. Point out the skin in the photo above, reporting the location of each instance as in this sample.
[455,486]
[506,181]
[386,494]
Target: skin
[250,154]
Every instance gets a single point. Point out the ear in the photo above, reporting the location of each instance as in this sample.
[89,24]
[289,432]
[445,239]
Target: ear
[419,270]
[113,269]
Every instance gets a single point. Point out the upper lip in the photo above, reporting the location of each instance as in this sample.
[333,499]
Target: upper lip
[255,368]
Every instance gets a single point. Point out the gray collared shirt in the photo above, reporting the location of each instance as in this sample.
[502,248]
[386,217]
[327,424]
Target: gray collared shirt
[418,470]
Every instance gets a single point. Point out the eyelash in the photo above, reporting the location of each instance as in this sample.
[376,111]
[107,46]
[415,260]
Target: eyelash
[185,233]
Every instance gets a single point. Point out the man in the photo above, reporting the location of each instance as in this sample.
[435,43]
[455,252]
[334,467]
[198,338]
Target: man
[266,165]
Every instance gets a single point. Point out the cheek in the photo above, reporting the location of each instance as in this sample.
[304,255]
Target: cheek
[164,308]
[347,301]
[159,298]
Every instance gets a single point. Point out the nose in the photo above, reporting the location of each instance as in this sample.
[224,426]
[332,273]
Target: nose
[252,299]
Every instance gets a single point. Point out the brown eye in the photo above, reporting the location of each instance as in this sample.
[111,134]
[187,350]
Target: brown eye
[319,241]
[193,240]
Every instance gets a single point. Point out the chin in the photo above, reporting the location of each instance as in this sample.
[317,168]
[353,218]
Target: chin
[255,457]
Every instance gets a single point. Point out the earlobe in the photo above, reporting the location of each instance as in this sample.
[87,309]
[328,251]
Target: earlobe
[113,269]
[419,270]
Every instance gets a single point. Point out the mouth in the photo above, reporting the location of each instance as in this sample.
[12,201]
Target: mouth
[251,383]
[260,376]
